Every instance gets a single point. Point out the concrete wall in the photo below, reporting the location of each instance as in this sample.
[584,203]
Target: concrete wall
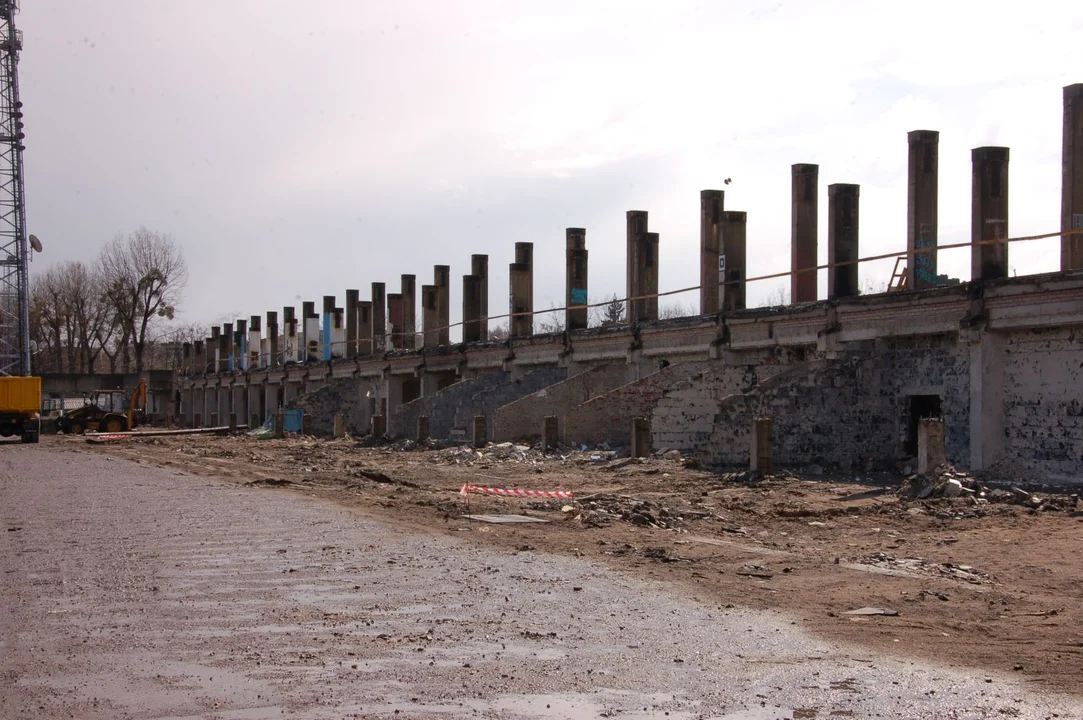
[345,396]
[850,412]
[485,401]
[1043,403]
[607,418]
[442,406]
[522,419]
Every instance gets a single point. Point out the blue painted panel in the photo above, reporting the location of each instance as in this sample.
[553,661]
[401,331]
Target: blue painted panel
[327,336]
[291,419]
[579,296]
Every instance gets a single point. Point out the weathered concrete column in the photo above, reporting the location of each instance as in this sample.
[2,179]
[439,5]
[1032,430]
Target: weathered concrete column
[733,226]
[394,320]
[931,450]
[364,328]
[379,318]
[240,346]
[338,333]
[210,406]
[409,311]
[430,311]
[290,339]
[379,426]
[762,451]
[273,358]
[636,225]
[479,436]
[310,332]
[575,279]
[186,359]
[842,240]
[340,426]
[199,357]
[256,407]
[711,204]
[270,399]
[988,354]
[422,428]
[255,342]
[550,432]
[352,298]
[442,281]
[1071,204]
[921,208]
[521,274]
[225,346]
[479,265]
[989,212]
[805,180]
[214,349]
[326,328]
[472,297]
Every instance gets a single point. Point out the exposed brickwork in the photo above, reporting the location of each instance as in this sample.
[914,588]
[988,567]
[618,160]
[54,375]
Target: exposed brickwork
[1043,399]
[442,406]
[346,396]
[607,418]
[522,420]
[485,401]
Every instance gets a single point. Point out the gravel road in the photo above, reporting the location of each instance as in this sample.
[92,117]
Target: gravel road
[136,592]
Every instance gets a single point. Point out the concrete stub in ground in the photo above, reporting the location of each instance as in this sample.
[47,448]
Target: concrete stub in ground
[254,422]
[422,428]
[379,426]
[280,423]
[641,437]
[340,425]
[214,419]
[479,438]
[931,451]
[197,421]
[233,421]
[550,432]
[762,453]
[306,424]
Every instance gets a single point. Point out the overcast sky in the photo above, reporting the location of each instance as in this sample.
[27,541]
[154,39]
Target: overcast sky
[296,149]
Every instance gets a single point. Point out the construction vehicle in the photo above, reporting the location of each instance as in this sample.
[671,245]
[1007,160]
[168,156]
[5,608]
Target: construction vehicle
[107,411]
[20,401]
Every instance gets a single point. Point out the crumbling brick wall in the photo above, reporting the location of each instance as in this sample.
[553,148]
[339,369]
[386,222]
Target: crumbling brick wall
[607,417]
[346,396]
[442,406]
[522,419]
[1043,402]
[508,390]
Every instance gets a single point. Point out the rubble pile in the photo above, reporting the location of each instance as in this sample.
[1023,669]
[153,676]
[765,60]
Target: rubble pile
[921,566]
[948,483]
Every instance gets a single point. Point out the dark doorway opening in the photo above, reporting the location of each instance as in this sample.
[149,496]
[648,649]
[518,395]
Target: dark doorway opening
[921,406]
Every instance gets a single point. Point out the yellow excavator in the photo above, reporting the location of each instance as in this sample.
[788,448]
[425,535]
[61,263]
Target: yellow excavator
[108,411]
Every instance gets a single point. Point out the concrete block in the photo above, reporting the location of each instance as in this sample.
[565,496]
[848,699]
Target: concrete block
[550,432]
[479,436]
[931,448]
[762,451]
[422,428]
[379,426]
[197,421]
[280,424]
[641,437]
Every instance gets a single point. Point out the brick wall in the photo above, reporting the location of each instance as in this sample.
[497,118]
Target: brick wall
[1043,403]
[442,406]
[522,419]
[607,418]
[487,400]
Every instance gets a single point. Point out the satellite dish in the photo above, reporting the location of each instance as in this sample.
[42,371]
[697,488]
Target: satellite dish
[35,243]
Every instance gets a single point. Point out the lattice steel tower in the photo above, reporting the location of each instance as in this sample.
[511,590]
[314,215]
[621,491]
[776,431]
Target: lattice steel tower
[14,254]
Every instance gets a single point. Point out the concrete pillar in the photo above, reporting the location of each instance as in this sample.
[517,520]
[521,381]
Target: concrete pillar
[364,328]
[647,257]
[1071,204]
[409,311]
[225,348]
[210,406]
[803,232]
[442,281]
[255,343]
[379,319]
[240,346]
[197,421]
[479,266]
[430,311]
[931,449]
[394,320]
[842,240]
[921,209]
[280,424]
[272,358]
[340,426]
[550,432]
[733,225]
[989,212]
[641,437]
[186,359]
[255,406]
[762,451]
[987,358]
[711,204]
[290,341]
[478,436]
[353,297]
[270,399]
[379,426]
[472,296]
[326,327]
[199,358]
[422,428]
[338,333]
[233,421]
[636,225]
[575,279]
[214,350]
[521,277]
[310,330]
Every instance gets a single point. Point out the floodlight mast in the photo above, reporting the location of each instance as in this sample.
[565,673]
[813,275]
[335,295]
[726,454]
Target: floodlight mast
[14,253]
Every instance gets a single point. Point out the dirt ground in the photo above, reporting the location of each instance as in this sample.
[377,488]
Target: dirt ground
[981,584]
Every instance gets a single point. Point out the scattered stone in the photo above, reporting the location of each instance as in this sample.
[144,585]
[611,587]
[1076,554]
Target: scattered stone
[872,611]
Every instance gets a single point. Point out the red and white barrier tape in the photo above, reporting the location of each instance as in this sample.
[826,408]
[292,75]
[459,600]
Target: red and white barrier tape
[515,493]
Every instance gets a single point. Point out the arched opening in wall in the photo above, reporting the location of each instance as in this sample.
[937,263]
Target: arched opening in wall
[920,406]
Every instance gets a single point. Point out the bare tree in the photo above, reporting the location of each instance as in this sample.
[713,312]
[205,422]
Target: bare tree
[499,333]
[552,321]
[780,295]
[677,310]
[142,274]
